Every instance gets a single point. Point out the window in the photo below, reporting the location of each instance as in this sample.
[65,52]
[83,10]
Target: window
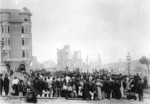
[26,53]
[5,41]
[26,17]
[8,41]
[6,53]
[29,29]
[26,29]
[26,41]
[8,29]
[23,53]
[23,41]
[4,29]
[29,41]
[22,29]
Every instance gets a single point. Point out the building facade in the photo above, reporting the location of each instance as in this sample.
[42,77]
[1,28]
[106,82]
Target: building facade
[16,38]
[76,61]
[67,60]
[64,58]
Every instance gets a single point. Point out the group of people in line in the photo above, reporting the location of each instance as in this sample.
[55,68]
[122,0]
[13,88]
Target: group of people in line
[85,86]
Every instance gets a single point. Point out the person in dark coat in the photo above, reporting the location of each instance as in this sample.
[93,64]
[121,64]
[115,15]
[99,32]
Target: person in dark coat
[140,87]
[107,86]
[39,85]
[1,84]
[57,87]
[6,84]
[45,85]
[60,87]
[113,87]
[31,96]
[54,87]
[86,91]
[117,89]
[93,89]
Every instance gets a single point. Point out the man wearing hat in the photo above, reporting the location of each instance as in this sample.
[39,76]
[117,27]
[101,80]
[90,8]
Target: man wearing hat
[15,83]
[1,84]
[6,84]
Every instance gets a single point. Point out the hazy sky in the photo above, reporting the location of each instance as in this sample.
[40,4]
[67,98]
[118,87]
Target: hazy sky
[111,28]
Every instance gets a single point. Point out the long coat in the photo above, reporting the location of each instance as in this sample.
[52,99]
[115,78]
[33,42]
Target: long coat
[86,91]
[1,84]
[6,84]
[31,96]
[140,87]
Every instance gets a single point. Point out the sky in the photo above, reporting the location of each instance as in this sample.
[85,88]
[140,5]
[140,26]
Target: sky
[111,28]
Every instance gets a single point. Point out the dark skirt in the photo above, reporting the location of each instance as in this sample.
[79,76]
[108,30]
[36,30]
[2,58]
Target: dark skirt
[31,97]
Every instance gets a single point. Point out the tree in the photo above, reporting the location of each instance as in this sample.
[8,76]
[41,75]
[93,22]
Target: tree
[146,61]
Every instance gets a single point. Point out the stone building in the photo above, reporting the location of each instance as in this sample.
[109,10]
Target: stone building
[16,38]
[64,58]
[76,61]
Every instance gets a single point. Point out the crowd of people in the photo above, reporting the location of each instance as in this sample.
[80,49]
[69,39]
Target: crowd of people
[85,86]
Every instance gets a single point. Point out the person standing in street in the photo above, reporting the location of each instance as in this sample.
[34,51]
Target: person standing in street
[107,87]
[32,94]
[99,92]
[118,86]
[86,90]
[140,87]
[1,84]
[6,84]
[15,83]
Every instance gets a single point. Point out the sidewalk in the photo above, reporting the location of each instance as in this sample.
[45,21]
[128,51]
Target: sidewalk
[147,93]
[146,96]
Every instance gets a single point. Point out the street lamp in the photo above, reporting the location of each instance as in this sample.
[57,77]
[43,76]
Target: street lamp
[2,64]
[128,59]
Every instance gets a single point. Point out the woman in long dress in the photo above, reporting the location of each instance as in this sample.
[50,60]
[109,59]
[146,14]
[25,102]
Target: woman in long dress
[99,92]
[122,88]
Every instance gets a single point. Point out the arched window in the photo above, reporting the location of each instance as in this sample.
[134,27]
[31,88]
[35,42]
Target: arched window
[22,67]
[26,28]
[5,27]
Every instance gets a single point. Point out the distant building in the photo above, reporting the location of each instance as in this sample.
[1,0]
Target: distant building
[76,61]
[89,66]
[71,61]
[97,64]
[63,58]
[16,38]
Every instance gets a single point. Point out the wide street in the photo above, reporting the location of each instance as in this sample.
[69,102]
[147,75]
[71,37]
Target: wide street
[63,101]
[113,101]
